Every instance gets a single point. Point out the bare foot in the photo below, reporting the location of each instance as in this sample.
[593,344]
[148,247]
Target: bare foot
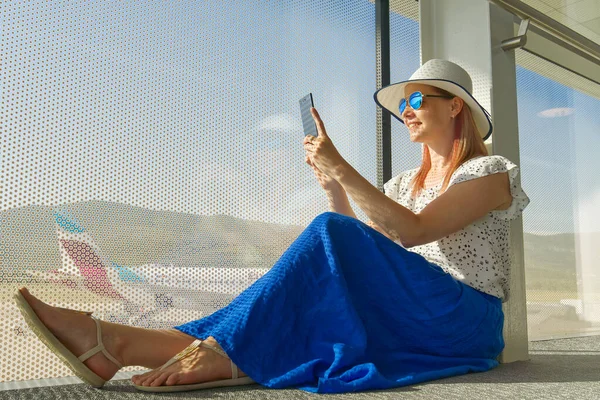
[78,333]
[203,365]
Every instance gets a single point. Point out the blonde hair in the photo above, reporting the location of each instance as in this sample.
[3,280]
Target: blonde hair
[467,144]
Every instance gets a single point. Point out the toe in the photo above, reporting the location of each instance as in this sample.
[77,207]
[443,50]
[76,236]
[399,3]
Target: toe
[147,374]
[144,382]
[145,379]
[28,296]
[136,379]
[160,379]
[36,304]
[173,379]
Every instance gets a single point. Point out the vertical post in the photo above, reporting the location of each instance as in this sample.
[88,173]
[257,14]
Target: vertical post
[384,123]
[469,33]
[506,143]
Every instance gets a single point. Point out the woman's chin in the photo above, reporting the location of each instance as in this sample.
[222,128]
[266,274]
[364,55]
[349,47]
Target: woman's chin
[414,137]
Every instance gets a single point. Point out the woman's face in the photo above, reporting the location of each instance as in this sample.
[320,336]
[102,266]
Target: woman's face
[433,120]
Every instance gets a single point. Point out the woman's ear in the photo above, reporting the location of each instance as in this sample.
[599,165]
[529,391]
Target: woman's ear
[457,105]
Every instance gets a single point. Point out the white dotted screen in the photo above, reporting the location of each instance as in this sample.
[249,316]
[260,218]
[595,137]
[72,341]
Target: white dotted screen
[404,61]
[558,142]
[151,152]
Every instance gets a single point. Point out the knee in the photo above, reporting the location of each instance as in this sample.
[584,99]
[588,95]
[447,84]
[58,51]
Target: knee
[331,218]
[324,217]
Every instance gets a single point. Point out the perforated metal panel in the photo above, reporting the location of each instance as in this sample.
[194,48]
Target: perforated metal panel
[559,142]
[404,60]
[151,154]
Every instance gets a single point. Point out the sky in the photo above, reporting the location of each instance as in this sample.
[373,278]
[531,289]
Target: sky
[193,107]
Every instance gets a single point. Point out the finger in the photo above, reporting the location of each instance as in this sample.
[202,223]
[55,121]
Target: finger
[319,122]
[311,162]
[310,139]
[310,148]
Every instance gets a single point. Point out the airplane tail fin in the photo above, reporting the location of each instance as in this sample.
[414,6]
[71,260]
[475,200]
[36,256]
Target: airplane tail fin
[81,255]
[77,248]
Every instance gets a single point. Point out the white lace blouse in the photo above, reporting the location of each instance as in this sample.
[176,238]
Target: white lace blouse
[479,254]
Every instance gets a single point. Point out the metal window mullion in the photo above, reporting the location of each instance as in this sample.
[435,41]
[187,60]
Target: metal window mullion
[383,117]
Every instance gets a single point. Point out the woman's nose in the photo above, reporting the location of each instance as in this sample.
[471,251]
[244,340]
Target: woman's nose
[406,111]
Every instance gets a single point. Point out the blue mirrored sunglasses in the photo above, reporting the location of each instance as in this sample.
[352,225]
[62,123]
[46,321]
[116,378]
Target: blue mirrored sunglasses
[416,100]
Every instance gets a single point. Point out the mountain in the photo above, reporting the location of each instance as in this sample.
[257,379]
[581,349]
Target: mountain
[551,260]
[131,235]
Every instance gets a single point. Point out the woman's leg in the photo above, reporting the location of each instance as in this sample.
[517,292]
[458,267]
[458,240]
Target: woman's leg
[149,348]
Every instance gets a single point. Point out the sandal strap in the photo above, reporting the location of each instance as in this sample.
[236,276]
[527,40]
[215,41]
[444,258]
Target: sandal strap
[99,347]
[182,354]
[215,349]
[234,368]
[192,347]
[89,313]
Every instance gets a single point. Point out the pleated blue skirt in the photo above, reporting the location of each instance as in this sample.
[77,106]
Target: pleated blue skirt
[345,309]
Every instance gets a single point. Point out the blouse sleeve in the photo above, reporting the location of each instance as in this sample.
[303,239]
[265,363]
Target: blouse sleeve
[391,187]
[483,166]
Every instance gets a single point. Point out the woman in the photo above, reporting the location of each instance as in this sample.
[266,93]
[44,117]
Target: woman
[348,307]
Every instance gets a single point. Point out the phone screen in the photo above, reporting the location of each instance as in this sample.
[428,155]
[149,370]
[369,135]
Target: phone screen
[308,123]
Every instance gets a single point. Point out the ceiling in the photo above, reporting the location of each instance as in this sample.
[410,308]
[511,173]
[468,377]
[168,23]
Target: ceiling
[583,16]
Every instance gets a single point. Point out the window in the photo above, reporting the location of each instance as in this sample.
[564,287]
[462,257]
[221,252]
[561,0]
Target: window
[558,130]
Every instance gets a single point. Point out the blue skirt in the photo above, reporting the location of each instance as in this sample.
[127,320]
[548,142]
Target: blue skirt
[345,309]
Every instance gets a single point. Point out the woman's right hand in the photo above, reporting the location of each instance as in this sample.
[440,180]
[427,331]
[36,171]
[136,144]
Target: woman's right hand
[330,185]
[336,195]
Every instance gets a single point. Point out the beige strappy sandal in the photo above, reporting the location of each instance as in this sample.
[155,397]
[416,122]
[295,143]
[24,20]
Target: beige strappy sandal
[74,363]
[235,380]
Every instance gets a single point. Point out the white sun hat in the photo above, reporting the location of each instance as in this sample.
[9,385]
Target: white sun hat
[442,74]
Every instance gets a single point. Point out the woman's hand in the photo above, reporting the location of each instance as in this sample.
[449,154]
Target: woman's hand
[329,184]
[320,151]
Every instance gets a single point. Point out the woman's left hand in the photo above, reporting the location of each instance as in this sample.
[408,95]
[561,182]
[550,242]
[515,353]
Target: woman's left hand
[321,150]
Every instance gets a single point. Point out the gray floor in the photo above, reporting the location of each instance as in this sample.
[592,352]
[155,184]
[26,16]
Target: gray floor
[558,369]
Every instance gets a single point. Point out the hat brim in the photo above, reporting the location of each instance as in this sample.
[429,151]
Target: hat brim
[389,98]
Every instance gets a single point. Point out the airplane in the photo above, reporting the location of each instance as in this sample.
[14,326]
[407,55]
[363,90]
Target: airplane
[146,291]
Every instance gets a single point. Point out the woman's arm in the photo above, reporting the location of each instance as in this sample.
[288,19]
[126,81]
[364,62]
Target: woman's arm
[457,207]
[338,202]
[460,205]
[336,195]
[378,229]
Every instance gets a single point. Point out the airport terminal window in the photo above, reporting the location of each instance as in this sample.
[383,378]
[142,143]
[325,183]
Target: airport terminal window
[152,160]
[558,131]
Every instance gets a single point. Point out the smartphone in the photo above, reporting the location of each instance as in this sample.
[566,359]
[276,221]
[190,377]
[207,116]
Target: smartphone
[310,128]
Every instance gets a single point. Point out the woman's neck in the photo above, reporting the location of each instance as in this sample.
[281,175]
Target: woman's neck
[439,162]
[440,165]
